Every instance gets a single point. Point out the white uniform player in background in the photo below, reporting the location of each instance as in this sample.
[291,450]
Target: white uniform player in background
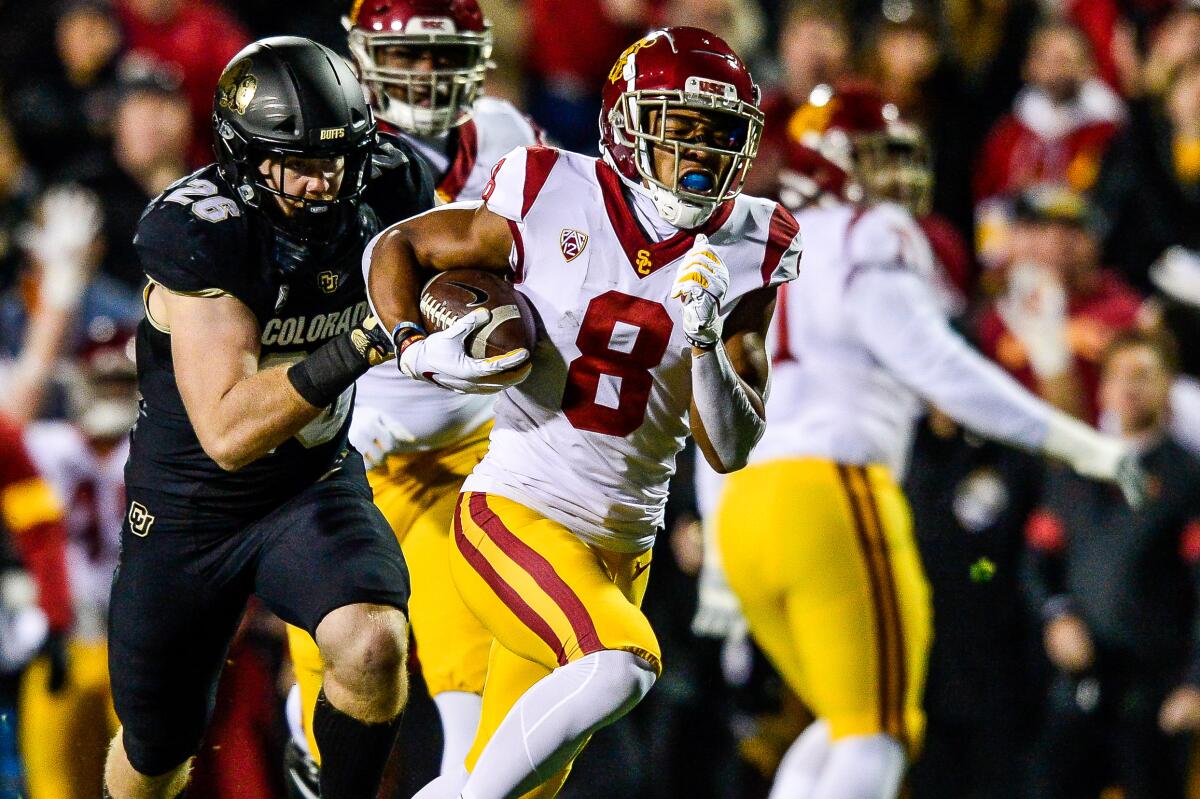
[423,63]
[652,279]
[815,535]
[65,733]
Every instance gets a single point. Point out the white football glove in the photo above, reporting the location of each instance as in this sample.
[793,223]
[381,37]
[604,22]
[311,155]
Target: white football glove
[1096,455]
[718,613]
[441,358]
[700,284]
[70,223]
[1034,308]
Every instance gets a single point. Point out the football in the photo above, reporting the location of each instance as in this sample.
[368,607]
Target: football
[451,295]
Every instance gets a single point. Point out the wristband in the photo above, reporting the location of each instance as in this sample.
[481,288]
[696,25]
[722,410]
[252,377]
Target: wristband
[325,374]
[405,330]
[408,341]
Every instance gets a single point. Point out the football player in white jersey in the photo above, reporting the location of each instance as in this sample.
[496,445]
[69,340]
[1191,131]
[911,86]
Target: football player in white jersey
[652,279]
[423,63]
[65,731]
[815,534]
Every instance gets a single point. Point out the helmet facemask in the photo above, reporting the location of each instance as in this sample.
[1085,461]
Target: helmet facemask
[424,102]
[895,166]
[710,142]
[258,172]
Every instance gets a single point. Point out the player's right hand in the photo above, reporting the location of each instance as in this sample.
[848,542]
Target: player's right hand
[718,613]
[441,358]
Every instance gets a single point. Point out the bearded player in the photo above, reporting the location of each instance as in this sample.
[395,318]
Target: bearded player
[424,63]
[815,534]
[651,277]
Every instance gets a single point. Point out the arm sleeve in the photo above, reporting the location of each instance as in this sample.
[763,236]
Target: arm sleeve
[896,317]
[32,515]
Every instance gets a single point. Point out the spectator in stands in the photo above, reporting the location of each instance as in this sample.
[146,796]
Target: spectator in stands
[197,37]
[1175,42]
[152,130]
[18,190]
[1117,591]
[1149,184]
[813,48]
[568,53]
[739,23]
[1176,307]
[1060,123]
[1060,309]
[970,500]
[62,118]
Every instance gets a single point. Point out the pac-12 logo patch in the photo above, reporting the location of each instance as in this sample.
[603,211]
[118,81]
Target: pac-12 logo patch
[140,519]
[572,243]
[328,281]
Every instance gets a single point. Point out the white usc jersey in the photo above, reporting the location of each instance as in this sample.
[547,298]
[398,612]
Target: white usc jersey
[589,439]
[422,416]
[92,489]
[495,127]
[830,397]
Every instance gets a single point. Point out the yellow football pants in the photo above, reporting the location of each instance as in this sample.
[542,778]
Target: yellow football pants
[64,736]
[823,559]
[547,597]
[417,492]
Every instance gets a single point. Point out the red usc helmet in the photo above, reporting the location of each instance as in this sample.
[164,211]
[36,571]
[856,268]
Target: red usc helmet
[103,391]
[421,101]
[671,70]
[847,144]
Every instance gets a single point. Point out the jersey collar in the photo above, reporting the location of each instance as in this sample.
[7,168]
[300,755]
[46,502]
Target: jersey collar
[465,155]
[646,256]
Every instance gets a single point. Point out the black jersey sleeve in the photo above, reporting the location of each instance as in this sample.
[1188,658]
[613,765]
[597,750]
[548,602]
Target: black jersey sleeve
[193,238]
[402,185]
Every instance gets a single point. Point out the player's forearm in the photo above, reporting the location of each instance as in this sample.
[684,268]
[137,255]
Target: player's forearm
[393,276]
[254,417]
[727,414]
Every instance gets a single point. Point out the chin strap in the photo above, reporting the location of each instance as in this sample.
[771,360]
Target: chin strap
[674,211]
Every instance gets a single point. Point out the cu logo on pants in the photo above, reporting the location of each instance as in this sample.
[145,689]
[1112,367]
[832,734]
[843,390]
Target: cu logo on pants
[140,519]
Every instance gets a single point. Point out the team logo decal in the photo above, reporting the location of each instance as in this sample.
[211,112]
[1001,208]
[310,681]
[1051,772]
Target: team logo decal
[643,262]
[237,88]
[140,519]
[328,281]
[572,243]
[627,58]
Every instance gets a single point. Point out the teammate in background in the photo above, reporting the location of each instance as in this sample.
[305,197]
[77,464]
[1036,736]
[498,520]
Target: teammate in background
[652,278]
[64,733]
[240,480]
[815,534]
[35,601]
[424,62]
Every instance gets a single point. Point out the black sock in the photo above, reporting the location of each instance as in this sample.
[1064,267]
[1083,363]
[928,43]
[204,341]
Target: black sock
[353,753]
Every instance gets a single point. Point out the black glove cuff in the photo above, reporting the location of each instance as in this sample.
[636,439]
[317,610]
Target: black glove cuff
[323,376]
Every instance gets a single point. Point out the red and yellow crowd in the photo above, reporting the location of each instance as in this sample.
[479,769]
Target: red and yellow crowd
[1064,138]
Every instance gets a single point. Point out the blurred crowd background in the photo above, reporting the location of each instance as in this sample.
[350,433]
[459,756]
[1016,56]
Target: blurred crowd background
[1065,139]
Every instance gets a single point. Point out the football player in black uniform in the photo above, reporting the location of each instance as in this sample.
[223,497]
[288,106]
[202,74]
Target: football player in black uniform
[240,480]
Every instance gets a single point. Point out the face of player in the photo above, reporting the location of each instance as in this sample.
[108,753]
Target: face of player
[303,179]
[422,59]
[699,169]
[1135,387]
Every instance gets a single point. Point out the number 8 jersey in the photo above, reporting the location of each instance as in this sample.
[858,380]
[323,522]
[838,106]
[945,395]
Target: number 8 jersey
[589,439]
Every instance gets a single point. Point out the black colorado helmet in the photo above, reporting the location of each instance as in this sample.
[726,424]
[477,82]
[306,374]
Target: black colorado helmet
[286,98]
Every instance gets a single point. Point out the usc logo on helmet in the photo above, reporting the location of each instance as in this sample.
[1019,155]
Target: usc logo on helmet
[618,69]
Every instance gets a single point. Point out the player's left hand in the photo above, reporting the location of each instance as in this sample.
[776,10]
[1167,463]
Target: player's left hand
[718,613]
[700,284]
[372,342]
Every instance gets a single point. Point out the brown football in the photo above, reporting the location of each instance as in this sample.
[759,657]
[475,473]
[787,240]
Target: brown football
[451,295]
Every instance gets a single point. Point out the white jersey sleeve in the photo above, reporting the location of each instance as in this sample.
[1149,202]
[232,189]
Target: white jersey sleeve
[896,317]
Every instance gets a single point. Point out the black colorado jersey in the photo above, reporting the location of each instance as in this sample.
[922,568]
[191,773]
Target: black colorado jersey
[199,238]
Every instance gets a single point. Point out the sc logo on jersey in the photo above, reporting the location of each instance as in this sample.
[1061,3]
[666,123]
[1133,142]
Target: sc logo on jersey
[572,243]
[140,519]
[328,281]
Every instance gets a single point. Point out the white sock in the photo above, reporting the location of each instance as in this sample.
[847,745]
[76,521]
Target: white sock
[548,725]
[801,766]
[295,722]
[862,767]
[459,711]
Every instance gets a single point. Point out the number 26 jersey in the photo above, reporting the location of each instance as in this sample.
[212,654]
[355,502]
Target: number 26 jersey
[589,439]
